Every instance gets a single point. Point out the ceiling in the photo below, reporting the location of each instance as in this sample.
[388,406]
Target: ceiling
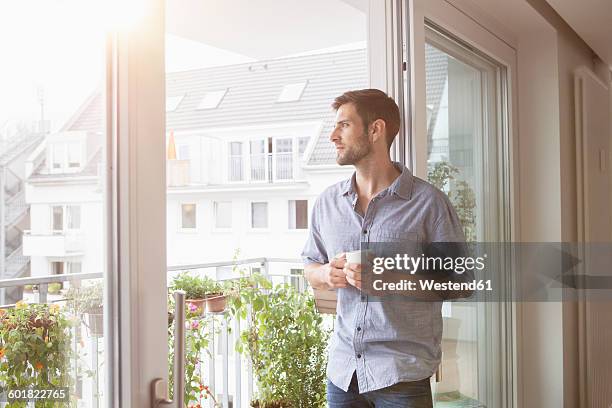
[592,20]
[266,29]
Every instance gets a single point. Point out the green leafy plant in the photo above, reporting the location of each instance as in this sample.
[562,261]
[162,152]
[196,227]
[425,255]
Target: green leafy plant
[286,343]
[196,287]
[445,177]
[34,349]
[86,299]
[54,287]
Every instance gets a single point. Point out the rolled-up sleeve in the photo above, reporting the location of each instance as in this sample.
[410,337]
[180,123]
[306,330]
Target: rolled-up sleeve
[314,249]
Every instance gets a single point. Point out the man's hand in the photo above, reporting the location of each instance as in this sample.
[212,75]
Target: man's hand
[333,272]
[353,274]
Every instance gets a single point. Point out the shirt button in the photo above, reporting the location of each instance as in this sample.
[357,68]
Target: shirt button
[365,231]
[358,355]
[359,329]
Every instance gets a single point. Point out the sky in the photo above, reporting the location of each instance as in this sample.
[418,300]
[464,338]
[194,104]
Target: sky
[56,48]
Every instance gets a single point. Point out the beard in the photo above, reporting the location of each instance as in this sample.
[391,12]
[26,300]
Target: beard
[353,154]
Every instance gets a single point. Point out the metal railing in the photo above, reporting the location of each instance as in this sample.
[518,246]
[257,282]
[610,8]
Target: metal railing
[266,167]
[284,166]
[226,368]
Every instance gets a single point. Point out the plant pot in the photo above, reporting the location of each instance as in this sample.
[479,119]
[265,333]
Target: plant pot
[215,303]
[198,304]
[95,322]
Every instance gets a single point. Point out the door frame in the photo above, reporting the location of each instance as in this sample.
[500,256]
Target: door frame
[136,162]
[136,261]
[471,28]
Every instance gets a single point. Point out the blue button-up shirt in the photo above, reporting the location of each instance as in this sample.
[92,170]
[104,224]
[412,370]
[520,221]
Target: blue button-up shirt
[383,342]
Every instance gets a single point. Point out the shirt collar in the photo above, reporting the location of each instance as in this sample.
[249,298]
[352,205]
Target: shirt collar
[401,186]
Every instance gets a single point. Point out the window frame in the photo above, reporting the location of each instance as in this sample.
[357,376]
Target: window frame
[215,228]
[462,25]
[251,228]
[308,209]
[181,228]
[243,163]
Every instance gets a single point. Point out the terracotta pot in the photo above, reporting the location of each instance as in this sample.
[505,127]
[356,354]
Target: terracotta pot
[198,303]
[215,303]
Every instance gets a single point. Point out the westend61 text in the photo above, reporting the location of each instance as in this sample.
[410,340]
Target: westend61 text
[432,285]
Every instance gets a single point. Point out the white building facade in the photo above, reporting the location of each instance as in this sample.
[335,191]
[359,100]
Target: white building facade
[248,153]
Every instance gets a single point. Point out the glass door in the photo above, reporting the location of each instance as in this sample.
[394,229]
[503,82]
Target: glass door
[281,76]
[54,344]
[461,146]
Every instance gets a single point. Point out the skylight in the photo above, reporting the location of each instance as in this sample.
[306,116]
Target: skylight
[292,92]
[172,102]
[211,100]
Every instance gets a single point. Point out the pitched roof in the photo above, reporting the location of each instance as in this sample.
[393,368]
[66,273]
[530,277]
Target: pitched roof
[252,93]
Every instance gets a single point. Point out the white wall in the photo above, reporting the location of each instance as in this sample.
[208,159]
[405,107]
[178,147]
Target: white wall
[206,244]
[91,234]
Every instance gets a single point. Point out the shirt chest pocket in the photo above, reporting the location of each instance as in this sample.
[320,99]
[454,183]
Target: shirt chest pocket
[386,243]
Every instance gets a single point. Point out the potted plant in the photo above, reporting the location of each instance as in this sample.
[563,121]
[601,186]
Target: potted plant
[35,349]
[286,343]
[194,288]
[215,295]
[87,301]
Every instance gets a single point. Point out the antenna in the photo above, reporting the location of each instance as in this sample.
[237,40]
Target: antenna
[40,92]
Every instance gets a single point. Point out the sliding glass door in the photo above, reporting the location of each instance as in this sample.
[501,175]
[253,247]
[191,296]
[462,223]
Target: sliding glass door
[461,145]
[255,117]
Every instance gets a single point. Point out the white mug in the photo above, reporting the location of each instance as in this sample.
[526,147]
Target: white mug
[353,257]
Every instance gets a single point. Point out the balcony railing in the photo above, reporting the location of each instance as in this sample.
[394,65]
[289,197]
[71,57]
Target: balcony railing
[229,375]
[264,167]
[283,163]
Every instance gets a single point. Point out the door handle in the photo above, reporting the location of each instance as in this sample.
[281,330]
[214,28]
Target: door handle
[159,386]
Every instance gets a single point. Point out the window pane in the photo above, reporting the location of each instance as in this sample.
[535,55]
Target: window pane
[57,268]
[301,214]
[74,216]
[283,158]
[248,148]
[259,215]
[74,155]
[223,214]
[58,153]
[188,218]
[235,161]
[298,214]
[259,160]
[74,267]
[58,218]
[302,144]
[462,91]
[183,152]
[52,122]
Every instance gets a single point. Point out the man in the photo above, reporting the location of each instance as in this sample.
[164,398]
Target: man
[381,354]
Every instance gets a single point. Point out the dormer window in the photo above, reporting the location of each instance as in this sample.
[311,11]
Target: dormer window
[292,92]
[66,157]
[211,100]
[172,102]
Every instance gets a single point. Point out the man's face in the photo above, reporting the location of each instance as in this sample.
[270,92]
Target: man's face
[349,136]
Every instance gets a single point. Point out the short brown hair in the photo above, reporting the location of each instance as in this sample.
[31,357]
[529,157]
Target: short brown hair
[373,104]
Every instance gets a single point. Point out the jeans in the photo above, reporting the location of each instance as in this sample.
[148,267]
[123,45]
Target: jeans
[414,394]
